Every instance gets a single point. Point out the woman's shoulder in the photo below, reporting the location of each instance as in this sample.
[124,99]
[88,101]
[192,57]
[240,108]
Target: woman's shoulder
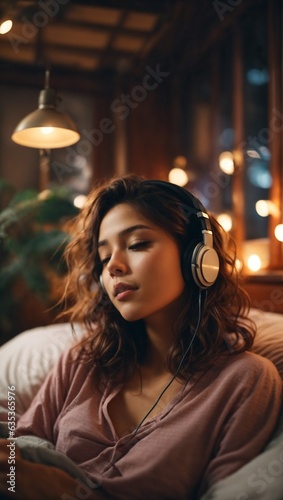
[236,377]
[248,366]
[77,366]
[251,359]
[72,363]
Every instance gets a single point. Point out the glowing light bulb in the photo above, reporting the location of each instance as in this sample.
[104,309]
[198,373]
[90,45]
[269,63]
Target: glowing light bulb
[254,262]
[225,220]
[79,200]
[178,176]
[226,162]
[278,231]
[266,207]
[47,130]
[262,208]
[5,26]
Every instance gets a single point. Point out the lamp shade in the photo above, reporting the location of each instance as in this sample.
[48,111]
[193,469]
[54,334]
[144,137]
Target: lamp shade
[46,128]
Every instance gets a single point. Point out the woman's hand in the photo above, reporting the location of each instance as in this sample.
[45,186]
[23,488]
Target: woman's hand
[24,480]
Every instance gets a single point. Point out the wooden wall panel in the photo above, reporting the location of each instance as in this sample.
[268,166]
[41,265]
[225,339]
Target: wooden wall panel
[149,129]
[266,293]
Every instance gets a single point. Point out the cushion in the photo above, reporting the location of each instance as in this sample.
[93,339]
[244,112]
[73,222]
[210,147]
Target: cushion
[262,477]
[26,360]
[269,338]
[259,479]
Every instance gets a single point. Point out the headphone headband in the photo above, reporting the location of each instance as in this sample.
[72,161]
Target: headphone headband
[200,260]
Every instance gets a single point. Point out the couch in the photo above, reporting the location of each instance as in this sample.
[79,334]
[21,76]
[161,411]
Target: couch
[26,360]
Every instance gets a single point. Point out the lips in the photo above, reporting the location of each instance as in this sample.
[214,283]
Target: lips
[122,287]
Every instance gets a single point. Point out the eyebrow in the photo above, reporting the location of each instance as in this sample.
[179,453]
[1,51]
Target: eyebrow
[128,230]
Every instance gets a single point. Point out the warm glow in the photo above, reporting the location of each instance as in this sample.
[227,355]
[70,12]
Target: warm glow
[5,26]
[254,262]
[262,208]
[225,220]
[178,176]
[279,232]
[46,127]
[239,265]
[79,200]
[180,161]
[54,137]
[46,130]
[265,208]
[226,162]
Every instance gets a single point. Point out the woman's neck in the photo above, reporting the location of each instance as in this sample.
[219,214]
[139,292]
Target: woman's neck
[160,333]
[159,342]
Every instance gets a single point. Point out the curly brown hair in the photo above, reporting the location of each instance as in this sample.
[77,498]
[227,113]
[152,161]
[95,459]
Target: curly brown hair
[117,346]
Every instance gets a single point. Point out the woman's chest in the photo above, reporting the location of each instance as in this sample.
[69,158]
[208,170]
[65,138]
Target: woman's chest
[165,447]
[138,402]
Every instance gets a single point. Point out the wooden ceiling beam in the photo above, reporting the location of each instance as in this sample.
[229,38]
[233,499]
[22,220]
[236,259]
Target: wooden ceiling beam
[158,6]
[119,29]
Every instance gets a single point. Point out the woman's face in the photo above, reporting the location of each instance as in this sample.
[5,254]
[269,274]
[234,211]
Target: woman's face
[141,265]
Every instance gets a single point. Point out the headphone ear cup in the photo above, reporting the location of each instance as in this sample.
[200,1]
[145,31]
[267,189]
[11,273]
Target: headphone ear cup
[199,260]
[204,265]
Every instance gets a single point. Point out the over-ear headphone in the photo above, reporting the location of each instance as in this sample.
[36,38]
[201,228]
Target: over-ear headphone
[199,259]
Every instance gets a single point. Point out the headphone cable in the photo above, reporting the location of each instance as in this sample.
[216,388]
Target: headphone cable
[201,304]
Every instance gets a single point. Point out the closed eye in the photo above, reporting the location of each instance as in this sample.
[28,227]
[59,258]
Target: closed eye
[139,245]
[104,261]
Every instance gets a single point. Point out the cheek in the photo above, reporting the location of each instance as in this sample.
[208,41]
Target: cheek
[173,278]
[164,271]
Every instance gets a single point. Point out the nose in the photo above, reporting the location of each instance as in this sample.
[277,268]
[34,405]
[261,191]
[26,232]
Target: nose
[117,265]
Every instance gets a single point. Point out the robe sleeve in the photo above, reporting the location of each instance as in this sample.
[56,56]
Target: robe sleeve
[249,426]
[40,418]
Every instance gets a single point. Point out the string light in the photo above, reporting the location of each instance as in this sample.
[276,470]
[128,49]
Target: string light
[226,162]
[266,207]
[225,220]
[6,26]
[79,201]
[279,232]
[254,262]
[178,176]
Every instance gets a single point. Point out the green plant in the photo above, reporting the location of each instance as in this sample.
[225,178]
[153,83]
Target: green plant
[32,242]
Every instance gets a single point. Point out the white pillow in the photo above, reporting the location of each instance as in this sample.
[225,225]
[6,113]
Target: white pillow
[261,478]
[269,338]
[26,360]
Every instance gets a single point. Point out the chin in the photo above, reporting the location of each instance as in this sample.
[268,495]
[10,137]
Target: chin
[131,316]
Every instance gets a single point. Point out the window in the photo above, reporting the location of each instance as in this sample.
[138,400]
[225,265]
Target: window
[235,110]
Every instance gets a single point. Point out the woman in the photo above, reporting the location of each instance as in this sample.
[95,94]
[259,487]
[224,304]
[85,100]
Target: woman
[161,399]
